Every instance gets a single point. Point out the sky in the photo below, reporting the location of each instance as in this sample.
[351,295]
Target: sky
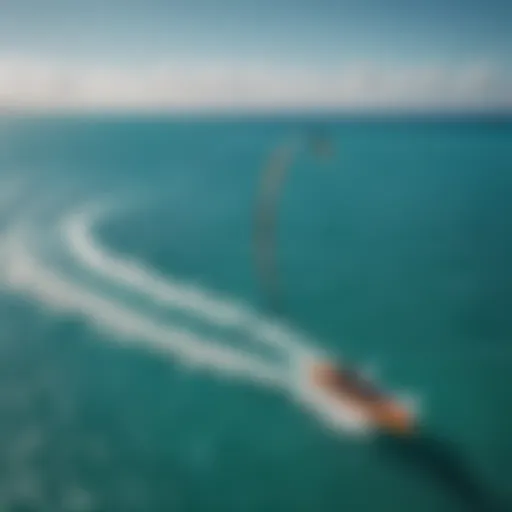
[156,54]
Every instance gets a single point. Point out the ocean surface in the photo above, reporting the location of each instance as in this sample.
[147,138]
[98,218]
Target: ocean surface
[142,370]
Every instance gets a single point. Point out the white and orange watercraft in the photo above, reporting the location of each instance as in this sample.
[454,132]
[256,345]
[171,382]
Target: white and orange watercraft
[383,412]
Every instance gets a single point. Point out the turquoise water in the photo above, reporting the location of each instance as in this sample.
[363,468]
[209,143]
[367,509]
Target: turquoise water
[141,369]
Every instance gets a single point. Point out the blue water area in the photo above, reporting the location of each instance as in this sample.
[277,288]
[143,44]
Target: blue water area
[393,251]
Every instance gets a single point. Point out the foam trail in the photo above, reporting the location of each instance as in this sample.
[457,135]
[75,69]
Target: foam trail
[164,290]
[23,272]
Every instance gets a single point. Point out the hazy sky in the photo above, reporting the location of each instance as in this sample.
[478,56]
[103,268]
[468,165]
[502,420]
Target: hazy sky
[276,52]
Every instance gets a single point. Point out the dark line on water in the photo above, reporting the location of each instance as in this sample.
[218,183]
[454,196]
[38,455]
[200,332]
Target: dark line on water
[442,463]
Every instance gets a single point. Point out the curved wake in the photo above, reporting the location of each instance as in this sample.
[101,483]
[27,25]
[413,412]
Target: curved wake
[164,290]
[28,267]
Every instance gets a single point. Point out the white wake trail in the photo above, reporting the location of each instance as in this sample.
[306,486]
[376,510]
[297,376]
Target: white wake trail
[167,291]
[24,273]
[164,290]
[24,270]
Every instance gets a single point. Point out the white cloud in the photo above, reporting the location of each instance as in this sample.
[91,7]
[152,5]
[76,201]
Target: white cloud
[34,84]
